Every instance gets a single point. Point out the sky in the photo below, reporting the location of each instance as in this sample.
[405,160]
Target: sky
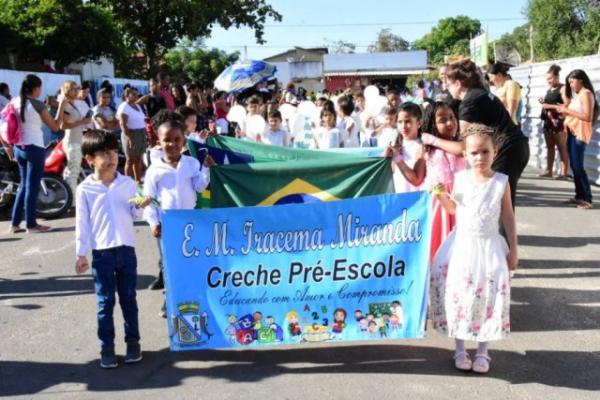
[312,23]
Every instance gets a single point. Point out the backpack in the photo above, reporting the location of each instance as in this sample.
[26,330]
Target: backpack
[10,124]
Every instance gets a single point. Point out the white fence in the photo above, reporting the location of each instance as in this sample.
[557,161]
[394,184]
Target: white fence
[532,78]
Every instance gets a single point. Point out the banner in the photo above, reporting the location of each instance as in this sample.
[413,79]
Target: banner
[316,272]
[479,49]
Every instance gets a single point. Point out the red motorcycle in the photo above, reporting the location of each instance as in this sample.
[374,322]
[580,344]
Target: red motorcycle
[55,197]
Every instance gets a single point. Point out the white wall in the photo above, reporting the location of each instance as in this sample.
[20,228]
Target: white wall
[311,70]
[532,78]
[90,70]
[51,83]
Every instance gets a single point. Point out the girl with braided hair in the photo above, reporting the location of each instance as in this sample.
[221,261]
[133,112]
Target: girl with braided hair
[470,283]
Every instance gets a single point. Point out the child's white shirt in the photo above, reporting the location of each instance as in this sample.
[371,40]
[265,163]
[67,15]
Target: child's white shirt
[174,188]
[349,129]
[327,138]
[387,137]
[276,138]
[410,151]
[104,216]
[195,136]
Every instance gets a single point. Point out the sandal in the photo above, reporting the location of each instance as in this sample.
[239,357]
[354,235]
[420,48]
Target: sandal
[546,174]
[573,200]
[481,365]
[15,229]
[584,205]
[462,361]
[561,178]
[39,229]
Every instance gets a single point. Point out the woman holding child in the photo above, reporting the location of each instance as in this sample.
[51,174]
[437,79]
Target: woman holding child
[478,105]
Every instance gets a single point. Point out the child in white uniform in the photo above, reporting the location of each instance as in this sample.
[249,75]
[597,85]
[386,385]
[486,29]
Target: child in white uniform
[347,125]
[173,180]
[275,134]
[327,136]
[408,166]
[104,225]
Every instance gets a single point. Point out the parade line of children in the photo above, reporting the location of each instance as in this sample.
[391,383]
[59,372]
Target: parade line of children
[471,260]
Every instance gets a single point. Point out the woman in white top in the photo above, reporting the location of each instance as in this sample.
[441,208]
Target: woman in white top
[30,153]
[73,124]
[133,133]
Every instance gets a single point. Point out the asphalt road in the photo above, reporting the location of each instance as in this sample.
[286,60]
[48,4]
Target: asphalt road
[49,347]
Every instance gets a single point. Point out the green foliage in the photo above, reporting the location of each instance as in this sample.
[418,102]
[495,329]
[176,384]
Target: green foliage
[191,61]
[450,37]
[412,80]
[153,27]
[564,28]
[340,47]
[62,30]
[388,42]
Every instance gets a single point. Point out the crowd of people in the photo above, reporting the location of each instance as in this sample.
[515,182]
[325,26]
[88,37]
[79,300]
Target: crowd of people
[465,146]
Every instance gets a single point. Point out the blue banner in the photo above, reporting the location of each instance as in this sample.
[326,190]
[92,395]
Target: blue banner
[333,271]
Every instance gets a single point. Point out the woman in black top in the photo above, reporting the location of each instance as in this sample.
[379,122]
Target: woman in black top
[554,132]
[478,105]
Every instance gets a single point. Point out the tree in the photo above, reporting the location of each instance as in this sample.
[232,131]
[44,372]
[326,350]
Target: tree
[564,28]
[62,30]
[192,61]
[387,42]
[340,47]
[450,37]
[152,27]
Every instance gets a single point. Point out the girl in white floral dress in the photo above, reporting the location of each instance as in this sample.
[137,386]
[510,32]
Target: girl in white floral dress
[470,283]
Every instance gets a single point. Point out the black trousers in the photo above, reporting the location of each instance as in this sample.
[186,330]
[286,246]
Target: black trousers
[512,158]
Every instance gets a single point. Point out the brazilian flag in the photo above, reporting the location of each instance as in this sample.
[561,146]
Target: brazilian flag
[252,174]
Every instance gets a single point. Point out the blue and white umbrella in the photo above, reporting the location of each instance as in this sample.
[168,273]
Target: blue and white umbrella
[244,75]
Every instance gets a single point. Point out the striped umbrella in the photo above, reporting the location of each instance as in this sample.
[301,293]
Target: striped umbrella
[244,75]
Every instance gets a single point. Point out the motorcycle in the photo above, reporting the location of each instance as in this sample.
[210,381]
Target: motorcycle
[55,196]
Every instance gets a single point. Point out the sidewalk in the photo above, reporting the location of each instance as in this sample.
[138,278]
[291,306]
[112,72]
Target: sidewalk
[49,350]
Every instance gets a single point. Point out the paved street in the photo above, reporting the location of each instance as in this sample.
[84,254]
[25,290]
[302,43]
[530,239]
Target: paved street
[49,348]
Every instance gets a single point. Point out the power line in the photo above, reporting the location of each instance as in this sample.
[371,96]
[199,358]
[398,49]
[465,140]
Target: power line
[384,23]
[291,46]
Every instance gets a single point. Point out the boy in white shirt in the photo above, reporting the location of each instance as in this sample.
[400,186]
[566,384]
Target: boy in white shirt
[104,224]
[275,135]
[172,180]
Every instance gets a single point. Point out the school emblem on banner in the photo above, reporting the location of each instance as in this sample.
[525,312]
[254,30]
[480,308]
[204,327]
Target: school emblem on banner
[190,326]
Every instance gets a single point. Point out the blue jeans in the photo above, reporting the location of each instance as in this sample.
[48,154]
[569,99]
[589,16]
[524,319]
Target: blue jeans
[31,169]
[115,269]
[576,157]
